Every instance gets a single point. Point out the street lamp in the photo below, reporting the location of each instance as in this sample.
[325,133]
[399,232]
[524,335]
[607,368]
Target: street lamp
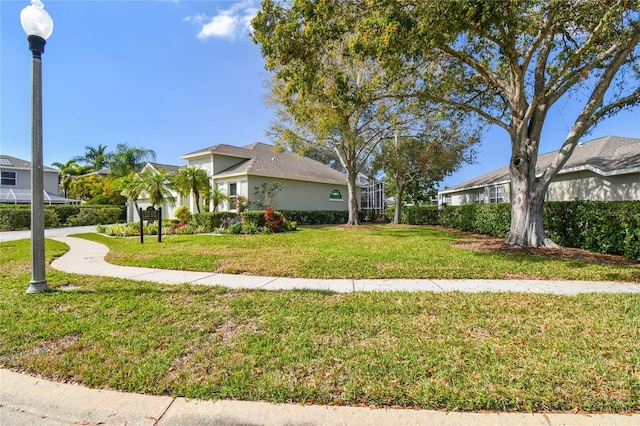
[38,25]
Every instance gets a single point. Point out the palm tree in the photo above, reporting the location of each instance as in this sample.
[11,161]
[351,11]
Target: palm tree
[129,159]
[158,187]
[96,157]
[68,171]
[218,196]
[131,187]
[193,180]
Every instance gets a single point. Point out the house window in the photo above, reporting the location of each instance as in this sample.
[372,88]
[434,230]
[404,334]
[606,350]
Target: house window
[233,195]
[478,197]
[496,194]
[8,178]
[335,195]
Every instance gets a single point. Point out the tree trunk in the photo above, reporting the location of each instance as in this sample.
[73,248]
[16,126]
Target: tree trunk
[397,216]
[353,199]
[527,196]
[527,227]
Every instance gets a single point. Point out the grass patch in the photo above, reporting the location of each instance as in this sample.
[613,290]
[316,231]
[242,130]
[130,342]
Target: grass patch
[335,252]
[450,351]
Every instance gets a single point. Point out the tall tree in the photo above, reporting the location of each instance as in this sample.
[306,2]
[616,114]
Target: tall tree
[96,157]
[128,159]
[428,157]
[192,180]
[510,62]
[325,94]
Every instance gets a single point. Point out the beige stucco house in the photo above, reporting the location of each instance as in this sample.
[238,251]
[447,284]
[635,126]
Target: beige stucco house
[238,171]
[15,182]
[603,169]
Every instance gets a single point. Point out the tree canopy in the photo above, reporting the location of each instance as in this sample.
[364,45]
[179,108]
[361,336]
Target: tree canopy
[509,63]
[326,95]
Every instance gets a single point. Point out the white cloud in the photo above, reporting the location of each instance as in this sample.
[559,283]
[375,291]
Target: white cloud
[230,23]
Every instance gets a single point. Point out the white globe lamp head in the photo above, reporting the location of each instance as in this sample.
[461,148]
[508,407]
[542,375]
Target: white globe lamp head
[38,25]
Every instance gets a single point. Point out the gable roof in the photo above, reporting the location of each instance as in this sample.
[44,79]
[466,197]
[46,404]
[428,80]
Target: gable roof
[9,162]
[606,156]
[260,159]
[169,168]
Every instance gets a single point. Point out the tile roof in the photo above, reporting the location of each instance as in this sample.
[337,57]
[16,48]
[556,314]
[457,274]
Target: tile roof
[609,155]
[262,159]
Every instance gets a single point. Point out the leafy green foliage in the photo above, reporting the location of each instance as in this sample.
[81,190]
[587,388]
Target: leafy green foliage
[416,215]
[183,214]
[192,180]
[16,218]
[317,217]
[215,220]
[603,227]
[425,159]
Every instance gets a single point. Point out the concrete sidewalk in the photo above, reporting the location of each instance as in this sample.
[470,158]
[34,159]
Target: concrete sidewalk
[27,400]
[87,257]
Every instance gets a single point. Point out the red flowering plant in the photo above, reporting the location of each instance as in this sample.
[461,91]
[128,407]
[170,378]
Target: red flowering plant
[274,220]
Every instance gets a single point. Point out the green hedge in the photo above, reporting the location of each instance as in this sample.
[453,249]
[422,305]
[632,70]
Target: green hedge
[14,217]
[316,217]
[214,220]
[492,219]
[611,227]
[604,227]
[211,221]
[415,215]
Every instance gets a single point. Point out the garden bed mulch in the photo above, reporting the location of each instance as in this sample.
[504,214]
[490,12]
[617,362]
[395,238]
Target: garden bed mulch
[498,245]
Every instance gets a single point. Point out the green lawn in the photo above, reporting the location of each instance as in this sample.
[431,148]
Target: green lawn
[449,351]
[336,252]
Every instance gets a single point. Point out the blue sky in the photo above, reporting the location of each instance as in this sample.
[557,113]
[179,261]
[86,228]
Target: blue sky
[174,76]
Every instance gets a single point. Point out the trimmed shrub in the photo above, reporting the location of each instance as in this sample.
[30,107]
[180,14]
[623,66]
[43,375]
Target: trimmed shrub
[183,214]
[19,216]
[64,211]
[212,221]
[611,227]
[317,217]
[415,215]
[12,219]
[95,215]
[255,216]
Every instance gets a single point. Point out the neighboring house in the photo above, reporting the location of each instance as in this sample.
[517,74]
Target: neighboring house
[15,182]
[238,171]
[167,208]
[604,169]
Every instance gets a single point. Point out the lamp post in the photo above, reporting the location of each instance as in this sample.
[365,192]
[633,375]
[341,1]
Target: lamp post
[38,25]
